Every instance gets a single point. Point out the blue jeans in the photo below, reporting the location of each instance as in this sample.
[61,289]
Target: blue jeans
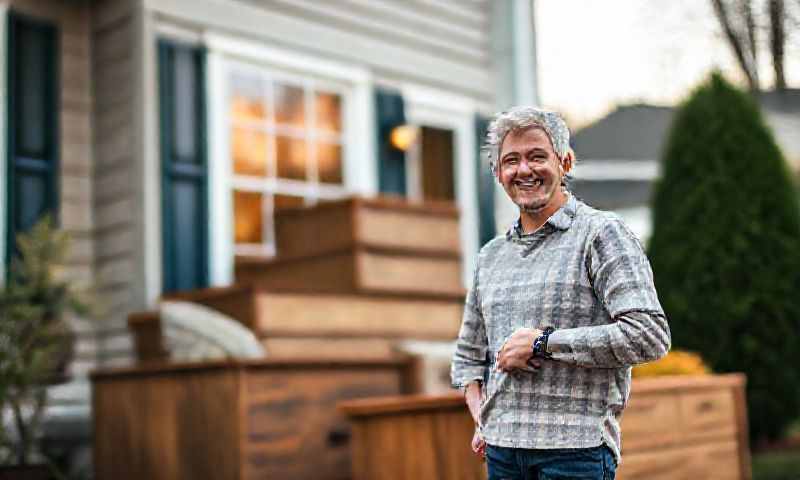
[597,463]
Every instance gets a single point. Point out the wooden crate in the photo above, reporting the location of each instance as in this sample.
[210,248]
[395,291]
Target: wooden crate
[675,428]
[232,420]
[413,437]
[360,245]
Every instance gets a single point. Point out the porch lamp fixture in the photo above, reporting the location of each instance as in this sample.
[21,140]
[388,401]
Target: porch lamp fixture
[403,136]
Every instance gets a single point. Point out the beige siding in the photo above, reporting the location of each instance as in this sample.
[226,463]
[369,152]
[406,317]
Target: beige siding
[114,174]
[444,44]
[75,150]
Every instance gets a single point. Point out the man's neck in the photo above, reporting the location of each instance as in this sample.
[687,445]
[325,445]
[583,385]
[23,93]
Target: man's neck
[532,221]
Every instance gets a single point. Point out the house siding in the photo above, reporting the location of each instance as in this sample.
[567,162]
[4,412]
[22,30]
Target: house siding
[72,20]
[442,44]
[113,37]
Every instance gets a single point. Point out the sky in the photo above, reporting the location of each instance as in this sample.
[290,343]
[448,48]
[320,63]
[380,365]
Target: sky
[594,54]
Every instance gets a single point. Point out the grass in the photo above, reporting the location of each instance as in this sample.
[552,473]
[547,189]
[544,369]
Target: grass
[777,465]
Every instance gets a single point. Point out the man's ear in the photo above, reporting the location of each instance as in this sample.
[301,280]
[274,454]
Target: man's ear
[568,161]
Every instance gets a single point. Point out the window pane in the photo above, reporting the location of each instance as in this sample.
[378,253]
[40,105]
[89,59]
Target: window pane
[329,159]
[329,112]
[184,115]
[249,151]
[31,62]
[291,159]
[247,98]
[289,105]
[283,202]
[247,214]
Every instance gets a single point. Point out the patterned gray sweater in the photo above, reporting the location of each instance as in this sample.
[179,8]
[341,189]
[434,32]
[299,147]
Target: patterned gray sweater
[585,274]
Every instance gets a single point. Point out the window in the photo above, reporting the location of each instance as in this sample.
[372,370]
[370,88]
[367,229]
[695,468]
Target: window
[286,150]
[32,122]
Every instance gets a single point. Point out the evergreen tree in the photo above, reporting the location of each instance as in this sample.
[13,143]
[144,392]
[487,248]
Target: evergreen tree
[725,250]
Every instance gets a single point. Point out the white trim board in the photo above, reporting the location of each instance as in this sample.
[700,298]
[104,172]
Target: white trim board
[642,170]
[425,106]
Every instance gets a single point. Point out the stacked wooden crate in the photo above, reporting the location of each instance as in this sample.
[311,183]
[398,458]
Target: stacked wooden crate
[352,278]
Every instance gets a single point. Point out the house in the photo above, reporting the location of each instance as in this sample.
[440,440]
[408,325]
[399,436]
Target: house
[618,155]
[163,135]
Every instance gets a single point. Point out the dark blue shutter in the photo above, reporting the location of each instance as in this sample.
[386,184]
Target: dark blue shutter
[391,161]
[486,225]
[33,107]
[184,186]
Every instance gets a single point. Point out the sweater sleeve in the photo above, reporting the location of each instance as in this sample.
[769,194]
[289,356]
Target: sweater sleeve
[623,280]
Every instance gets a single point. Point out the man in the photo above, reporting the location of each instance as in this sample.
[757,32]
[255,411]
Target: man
[559,309]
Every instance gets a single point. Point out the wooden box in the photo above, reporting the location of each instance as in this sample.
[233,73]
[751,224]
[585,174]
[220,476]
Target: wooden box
[362,246]
[232,420]
[674,428]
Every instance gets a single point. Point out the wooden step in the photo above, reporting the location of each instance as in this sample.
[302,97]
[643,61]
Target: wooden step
[382,222]
[355,270]
[293,314]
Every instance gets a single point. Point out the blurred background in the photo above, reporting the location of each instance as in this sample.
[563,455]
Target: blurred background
[303,181]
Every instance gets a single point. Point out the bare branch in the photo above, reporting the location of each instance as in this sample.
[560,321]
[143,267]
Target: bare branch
[737,43]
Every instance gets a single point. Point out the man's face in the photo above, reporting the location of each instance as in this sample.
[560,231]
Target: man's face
[529,169]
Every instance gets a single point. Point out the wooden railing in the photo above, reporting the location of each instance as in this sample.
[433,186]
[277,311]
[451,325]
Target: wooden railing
[673,428]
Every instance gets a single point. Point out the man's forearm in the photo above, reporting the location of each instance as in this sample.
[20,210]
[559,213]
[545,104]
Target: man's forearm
[472,395]
[635,337]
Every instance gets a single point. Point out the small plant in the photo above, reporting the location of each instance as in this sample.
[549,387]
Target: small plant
[676,362]
[35,340]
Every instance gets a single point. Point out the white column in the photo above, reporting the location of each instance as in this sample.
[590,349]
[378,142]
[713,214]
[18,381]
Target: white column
[514,64]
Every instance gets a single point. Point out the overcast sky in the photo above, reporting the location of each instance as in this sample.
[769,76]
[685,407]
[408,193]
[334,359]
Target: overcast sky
[594,54]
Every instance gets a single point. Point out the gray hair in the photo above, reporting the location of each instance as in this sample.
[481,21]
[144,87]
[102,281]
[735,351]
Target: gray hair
[523,117]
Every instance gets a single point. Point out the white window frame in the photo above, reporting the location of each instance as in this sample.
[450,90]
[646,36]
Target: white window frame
[226,53]
[311,190]
[425,106]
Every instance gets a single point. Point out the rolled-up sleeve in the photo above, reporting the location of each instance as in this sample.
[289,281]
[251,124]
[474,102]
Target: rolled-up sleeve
[623,281]
[469,360]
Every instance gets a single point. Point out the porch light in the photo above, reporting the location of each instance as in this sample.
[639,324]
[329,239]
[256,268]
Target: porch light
[403,136]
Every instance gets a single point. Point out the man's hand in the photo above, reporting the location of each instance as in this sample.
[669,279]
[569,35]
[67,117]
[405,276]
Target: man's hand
[478,444]
[517,350]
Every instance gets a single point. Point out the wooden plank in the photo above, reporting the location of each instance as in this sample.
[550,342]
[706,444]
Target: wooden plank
[709,461]
[409,274]
[707,415]
[317,446]
[329,348]
[331,273]
[285,314]
[650,421]
[143,429]
[402,229]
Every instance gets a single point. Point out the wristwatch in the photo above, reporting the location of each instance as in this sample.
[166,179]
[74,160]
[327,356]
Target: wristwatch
[539,346]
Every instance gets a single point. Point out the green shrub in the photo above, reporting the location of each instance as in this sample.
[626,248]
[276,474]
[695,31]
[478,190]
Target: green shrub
[725,249]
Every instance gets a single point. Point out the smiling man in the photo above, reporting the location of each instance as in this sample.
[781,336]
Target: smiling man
[560,308]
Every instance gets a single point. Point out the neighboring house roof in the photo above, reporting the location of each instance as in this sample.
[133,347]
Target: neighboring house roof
[631,132]
[638,132]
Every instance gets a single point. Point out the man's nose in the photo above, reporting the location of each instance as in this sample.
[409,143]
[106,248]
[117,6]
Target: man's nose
[524,168]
